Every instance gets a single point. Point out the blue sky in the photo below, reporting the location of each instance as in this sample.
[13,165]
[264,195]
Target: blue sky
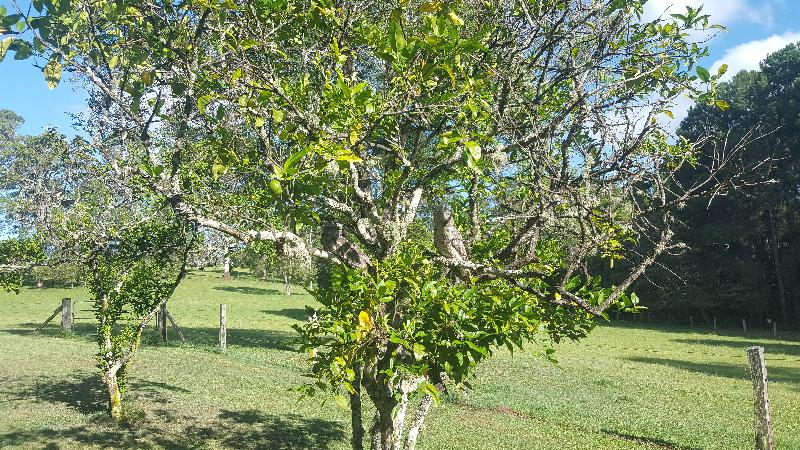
[755,29]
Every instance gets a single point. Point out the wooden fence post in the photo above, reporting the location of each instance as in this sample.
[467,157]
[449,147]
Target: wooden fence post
[763,420]
[66,314]
[744,325]
[175,324]
[52,316]
[715,325]
[774,329]
[161,321]
[691,322]
[223,328]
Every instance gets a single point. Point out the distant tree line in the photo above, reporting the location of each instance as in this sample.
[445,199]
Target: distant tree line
[742,249]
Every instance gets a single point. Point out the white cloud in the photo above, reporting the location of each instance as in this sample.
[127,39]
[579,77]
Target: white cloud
[747,56]
[723,12]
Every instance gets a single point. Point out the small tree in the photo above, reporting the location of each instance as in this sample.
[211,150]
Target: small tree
[133,253]
[133,274]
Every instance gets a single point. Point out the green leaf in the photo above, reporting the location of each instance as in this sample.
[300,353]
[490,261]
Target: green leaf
[236,75]
[22,49]
[4,44]
[419,351]
[217,169]
[722,104]
[11,20]
[474,149]
[454,19]
[277,115]
[275,187]
[247,44]
[203,102]
[431,390]
[292,161]
[348,156]
[397,39]
[703,73]
[52,73]
[722,69]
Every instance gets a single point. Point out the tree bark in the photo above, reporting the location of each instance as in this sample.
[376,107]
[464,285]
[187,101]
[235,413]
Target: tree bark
[114,395]
[287,285]
[383,428]
[418,422]
[382,431]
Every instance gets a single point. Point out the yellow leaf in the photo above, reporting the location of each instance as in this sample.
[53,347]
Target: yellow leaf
[457,21]
[429,7]
[364,321]
[52,73]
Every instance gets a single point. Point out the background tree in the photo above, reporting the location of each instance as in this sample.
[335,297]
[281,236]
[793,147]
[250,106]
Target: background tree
[71,216]
[464,161]
[740,259]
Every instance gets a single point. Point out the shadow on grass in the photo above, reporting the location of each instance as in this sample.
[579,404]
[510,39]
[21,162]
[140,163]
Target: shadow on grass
[52,329]
[761,334]
[198,336]
[300,314]
[249,429]
[84,392]
[243,337]
[248,290]
[733,371]
[231,429]
[769,347]
[647,442]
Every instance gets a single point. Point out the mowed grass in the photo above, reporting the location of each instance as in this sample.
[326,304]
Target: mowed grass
[623,388]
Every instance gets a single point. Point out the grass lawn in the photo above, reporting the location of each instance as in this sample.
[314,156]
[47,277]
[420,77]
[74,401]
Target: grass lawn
[622,388]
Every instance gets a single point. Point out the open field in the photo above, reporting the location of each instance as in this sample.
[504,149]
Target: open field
[623,388]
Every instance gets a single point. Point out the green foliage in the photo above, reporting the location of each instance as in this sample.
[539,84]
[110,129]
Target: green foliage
[17,257]
[427,323]
[67,274]
[741,258]
[130,276]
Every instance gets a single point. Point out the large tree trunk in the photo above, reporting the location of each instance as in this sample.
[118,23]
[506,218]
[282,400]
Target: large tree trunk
[778,267]
[114,395]
[382,432]
[383,428]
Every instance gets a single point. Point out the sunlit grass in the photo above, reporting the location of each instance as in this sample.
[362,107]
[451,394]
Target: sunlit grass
[623,388]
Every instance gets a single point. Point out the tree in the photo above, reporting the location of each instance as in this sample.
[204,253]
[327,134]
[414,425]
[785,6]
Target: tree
[134,252]
[748,235]
[464,161]
[132,276]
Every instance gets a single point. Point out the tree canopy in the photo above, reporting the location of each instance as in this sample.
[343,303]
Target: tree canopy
[461,163]
[741,251]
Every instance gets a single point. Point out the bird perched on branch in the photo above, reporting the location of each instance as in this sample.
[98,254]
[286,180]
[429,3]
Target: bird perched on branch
[335,243]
